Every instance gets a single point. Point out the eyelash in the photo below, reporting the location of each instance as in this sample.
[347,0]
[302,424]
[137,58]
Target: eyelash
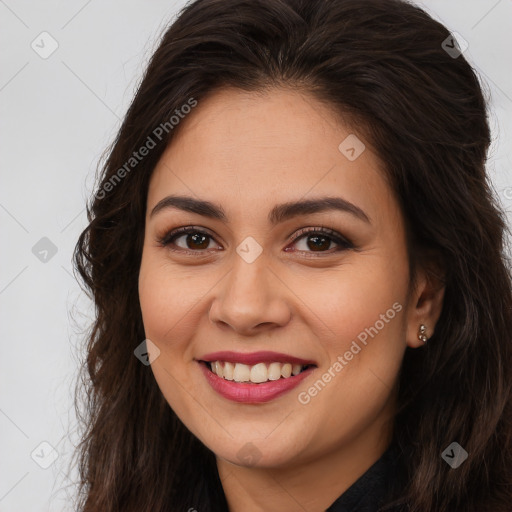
[342,242]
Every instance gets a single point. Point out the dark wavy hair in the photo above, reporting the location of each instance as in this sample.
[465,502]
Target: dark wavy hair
[382,65]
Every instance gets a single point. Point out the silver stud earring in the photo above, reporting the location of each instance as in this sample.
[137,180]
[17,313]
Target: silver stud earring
[422,334]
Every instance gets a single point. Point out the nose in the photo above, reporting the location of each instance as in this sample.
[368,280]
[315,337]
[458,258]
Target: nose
[251,298]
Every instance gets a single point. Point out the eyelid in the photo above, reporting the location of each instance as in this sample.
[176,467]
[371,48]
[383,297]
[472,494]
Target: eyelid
[343,242]
[323,230]
[165,239]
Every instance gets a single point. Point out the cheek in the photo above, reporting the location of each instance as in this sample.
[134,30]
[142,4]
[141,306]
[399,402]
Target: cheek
[359,324]
[167,303]
[167,295]
[359,321]
[173,303]
[162,301]
[353,298]
[154,296]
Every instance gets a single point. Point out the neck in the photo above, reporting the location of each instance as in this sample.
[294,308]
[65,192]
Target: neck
[306,484]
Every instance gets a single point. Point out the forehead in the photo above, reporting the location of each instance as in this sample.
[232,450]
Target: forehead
[252,149]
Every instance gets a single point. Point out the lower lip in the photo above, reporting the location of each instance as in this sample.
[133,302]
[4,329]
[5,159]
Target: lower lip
[253,393]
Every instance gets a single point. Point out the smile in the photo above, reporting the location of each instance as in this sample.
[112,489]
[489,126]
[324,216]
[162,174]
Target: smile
[257,374]
[246,391]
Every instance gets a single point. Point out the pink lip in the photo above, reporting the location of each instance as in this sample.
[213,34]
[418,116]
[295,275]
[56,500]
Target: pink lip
[253,358]
[252,393]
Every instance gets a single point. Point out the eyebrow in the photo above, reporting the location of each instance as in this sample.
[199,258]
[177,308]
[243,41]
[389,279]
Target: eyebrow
[279,213]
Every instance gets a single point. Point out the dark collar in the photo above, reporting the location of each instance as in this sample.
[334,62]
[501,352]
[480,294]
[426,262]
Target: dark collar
[368,493]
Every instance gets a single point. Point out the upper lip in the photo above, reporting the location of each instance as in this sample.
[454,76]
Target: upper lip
[252,358]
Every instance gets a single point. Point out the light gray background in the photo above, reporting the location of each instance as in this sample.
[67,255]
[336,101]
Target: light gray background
[58,115]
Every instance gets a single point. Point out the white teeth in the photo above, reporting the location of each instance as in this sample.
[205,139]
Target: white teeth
[228,370]
[296,368]
[217,368]
[257,374]
[242,373]
[274,371]
[286,370]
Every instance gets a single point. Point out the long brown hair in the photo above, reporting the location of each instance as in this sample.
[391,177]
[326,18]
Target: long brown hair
[385,66]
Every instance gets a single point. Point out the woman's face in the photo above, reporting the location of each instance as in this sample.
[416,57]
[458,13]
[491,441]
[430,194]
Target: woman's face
[252,280]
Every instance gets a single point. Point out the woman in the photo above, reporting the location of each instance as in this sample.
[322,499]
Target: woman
[302,297]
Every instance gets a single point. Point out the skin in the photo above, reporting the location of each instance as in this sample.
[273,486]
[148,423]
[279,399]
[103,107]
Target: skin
[249,152]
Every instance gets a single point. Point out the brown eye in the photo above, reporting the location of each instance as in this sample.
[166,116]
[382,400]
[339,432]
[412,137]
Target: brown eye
[308,240]
[194,239]
[320,240]
[197,241]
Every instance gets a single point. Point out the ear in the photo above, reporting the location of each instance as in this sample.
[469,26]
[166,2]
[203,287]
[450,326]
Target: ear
[426,302]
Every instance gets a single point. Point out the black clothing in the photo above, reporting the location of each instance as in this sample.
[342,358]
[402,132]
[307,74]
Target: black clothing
[369,492]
